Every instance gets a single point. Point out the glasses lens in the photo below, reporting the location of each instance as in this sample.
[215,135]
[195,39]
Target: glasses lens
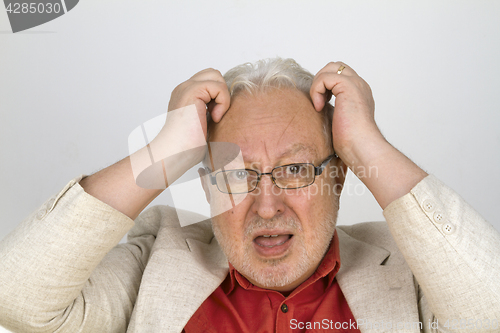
[236,181]
[294,175]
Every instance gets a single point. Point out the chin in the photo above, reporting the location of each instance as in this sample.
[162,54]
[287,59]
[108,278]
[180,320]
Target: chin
[275,273]
[296,265]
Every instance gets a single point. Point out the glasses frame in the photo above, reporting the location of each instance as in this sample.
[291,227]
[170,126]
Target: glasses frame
[318,170]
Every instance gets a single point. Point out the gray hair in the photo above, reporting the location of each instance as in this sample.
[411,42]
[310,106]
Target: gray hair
[275,72]
[278,73]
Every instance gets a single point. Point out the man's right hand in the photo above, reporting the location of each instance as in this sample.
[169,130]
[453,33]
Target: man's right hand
[181,143]
[116,185]
[207,90]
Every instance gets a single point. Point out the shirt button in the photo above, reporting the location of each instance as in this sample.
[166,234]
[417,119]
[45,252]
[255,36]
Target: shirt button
[428,206]
[448,229]
[438,217]
[284,308]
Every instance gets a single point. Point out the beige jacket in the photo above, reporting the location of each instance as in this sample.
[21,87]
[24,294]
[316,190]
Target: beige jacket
[61,270]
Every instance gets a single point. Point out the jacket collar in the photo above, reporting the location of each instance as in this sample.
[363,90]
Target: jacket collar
[177,281]
[380,296]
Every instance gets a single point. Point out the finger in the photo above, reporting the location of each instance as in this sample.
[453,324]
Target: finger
[222,103]
[334,67]
[319,93]
[325,85]
[208,74]
[215,92]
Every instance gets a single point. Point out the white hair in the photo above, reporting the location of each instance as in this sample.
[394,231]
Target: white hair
[275,72]
[278,73]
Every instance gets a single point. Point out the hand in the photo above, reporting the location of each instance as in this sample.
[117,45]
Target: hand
[184,135]
[356,137]
[353,119]
[208,91]
[182,141]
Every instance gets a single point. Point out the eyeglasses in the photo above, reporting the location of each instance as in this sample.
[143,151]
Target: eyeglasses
[290,176]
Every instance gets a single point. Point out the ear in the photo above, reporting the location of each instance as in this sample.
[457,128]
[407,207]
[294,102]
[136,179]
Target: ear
[204,178]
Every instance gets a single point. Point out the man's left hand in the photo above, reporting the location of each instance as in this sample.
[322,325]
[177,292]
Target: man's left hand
[353,119]
[386,172]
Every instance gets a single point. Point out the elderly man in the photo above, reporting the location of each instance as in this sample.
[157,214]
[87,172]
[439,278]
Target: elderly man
[277,263]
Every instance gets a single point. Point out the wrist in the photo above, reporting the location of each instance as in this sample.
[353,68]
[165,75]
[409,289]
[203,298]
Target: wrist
[385,171]
[363,151]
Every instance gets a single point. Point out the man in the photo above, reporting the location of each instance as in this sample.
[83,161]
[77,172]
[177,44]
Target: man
[277,262]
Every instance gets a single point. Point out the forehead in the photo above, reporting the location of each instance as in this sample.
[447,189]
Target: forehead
[275,125]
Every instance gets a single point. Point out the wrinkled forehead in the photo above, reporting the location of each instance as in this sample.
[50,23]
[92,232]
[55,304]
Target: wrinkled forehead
[230,156]
[278,124]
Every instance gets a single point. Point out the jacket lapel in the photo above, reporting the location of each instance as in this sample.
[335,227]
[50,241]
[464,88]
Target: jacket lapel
[176,281]
[186,265]
[380,296]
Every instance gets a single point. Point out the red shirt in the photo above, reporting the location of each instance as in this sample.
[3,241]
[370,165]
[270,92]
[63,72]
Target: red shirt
[317,305]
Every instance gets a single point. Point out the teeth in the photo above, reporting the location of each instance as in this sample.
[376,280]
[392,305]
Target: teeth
[274,235]
[267,236]
[270,246]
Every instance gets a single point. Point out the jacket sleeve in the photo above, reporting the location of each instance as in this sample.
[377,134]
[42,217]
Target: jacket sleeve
[453,253]
[61,269]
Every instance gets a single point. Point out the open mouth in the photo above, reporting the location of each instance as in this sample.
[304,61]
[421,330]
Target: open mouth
[272,240]
[271,245]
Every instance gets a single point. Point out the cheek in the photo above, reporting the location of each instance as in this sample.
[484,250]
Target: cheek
[230,226]
[226,204]
[312,204]
[325,193]
[307,200]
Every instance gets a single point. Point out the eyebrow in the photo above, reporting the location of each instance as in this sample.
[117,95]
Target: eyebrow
[299,148]
[294,150]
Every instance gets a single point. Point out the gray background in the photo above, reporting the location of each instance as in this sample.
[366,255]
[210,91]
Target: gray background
[73,89]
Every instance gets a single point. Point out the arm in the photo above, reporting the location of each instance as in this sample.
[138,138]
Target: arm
[46,262]
[357,139]
[116,185]
[60,269]
[452,251]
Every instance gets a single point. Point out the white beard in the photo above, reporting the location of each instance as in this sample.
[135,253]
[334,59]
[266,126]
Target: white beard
[279,272]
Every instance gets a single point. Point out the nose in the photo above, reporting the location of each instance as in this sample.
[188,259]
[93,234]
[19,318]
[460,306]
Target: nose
[268,199]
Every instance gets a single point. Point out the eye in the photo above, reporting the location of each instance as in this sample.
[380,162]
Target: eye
[294,169]
[239,174]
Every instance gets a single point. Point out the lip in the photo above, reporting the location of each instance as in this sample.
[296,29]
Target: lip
[275,251]
[271,232]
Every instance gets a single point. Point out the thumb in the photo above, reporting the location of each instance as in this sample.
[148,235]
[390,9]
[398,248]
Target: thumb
[318,101]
